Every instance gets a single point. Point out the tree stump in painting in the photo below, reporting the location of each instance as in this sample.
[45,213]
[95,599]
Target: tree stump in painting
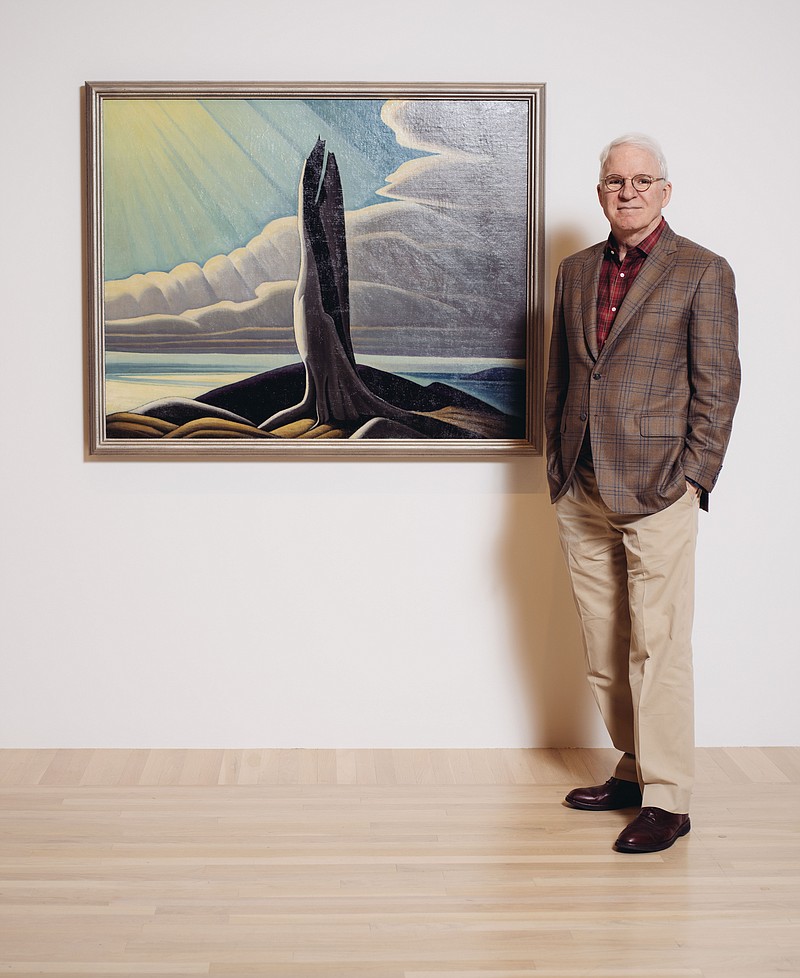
[334,392]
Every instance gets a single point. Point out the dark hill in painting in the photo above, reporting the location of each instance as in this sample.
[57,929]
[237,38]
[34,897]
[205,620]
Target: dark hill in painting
[236,411]
[256,398]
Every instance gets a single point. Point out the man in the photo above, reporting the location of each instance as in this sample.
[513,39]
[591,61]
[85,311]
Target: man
[642,387]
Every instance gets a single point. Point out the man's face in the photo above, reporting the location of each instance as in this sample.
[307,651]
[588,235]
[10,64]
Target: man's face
[632,214]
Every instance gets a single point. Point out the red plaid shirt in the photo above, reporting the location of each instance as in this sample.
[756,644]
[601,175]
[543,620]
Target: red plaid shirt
[616,278]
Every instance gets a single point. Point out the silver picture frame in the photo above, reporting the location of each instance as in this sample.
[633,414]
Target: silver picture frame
[255,291]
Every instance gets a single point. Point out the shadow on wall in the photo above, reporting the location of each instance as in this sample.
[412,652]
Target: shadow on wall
[545,631]
[547,637]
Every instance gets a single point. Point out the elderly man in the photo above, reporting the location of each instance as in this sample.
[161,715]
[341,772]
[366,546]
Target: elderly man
[642,387]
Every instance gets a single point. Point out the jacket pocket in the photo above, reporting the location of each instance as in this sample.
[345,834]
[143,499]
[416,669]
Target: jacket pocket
[662,426]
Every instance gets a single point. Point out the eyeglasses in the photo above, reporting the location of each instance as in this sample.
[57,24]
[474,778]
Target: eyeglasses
[640,183]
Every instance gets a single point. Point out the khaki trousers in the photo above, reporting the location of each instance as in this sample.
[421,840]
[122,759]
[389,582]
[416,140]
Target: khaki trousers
[633,583]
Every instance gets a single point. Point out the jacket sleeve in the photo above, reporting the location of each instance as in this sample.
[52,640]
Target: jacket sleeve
[714,373]
[556,390]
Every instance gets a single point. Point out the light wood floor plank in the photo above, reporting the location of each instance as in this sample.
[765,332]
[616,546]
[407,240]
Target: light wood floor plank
[326,766]
[66,767]
[383,767]
[576,771]
[231,767]
[600,762]
[106,767]
[21,767]
[346,772]
[756,764]
[786,759]
[201,767]
[227,767]
[163,767]
[133,772]
[270,765]
[708,769]
[249,770]
[419,864]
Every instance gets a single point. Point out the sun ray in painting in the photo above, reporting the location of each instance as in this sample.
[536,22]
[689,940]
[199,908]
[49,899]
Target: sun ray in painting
[187,179]
[182,188]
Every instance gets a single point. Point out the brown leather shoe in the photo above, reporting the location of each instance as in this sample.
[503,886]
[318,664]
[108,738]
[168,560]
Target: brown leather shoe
[652,830]
[606,797]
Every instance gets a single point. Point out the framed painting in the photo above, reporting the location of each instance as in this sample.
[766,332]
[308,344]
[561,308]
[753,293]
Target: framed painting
[314,271]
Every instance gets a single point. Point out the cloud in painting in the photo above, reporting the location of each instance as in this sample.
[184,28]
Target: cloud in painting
[437,269]
[187,179]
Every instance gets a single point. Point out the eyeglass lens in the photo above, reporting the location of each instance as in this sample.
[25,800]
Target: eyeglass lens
[640,182]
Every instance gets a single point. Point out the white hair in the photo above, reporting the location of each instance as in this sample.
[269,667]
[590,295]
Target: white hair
[640,141]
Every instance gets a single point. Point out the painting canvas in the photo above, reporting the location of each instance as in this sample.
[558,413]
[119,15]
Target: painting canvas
[318,271]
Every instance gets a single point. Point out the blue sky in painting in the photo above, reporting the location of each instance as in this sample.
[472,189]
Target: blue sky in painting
[186,179]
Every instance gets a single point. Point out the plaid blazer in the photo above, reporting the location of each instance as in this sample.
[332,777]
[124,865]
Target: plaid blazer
[659,398]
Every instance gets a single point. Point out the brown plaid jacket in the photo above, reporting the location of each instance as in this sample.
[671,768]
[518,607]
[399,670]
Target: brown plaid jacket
[659,398]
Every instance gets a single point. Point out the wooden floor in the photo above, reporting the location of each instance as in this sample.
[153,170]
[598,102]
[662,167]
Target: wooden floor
[387,864]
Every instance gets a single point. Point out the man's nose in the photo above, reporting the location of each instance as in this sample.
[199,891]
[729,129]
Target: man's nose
[626,191]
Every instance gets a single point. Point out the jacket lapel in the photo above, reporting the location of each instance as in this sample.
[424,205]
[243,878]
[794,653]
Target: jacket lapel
[658,263]
[589,284]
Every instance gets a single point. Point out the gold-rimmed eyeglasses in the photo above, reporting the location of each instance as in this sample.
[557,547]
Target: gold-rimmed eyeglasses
[640,183]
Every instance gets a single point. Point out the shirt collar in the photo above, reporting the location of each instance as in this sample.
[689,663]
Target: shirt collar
[645,246]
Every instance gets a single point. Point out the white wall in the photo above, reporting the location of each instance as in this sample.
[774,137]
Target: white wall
[381,604]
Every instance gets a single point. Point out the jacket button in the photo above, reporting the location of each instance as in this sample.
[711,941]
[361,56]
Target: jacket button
[583,417]
[596,376]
